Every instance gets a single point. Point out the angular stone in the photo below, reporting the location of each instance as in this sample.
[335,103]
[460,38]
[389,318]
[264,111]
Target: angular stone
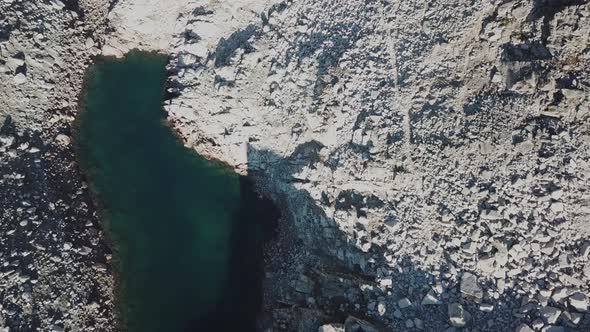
[458,316]
[304,285]
[404,303]
[470,287]
[331,328]
[418,324]
[572,318]
[557,207]
[585,249]
[550,314]
[579,302]
[560,294]
[553,329]
[486,265]
[381,308]
[19,78]
[430,299]
[486,307]
[63,140]
[56,328]
[523,328]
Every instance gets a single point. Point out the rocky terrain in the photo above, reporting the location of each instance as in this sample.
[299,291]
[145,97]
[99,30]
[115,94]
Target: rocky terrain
[431,159]
[55,273]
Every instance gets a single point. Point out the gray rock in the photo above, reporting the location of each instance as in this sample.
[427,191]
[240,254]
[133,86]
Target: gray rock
[353,324]
[523,328]
[418,324]
[57,328]
[470,287]
[63,140]
[331,328]
[404,303]
[409,323]
[486,307]
[430,299]
[304,284]
[19,78]
[458,316]
[579,301]
[381,308]
[550,314]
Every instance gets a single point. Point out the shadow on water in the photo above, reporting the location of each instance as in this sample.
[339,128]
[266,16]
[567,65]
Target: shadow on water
[241,302]
[321,276]
[188,233]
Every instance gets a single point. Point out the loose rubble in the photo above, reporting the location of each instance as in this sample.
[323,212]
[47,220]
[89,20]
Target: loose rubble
[439,149]
[431,159]
[55,269]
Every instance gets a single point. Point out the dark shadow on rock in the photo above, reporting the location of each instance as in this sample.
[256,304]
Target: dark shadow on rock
[44,207]
[315,274]
[239,39]
[547,9]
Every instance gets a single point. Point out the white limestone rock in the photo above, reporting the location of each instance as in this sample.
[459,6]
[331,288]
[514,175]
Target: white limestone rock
[19,78]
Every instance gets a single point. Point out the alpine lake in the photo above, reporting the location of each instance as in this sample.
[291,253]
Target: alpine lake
[187,233]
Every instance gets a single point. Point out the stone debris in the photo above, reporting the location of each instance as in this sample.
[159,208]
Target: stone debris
[354,324]
[44,203]
[550,314]
[422,154]
[523,328]
[331,328]
[430,299]
[404,303]
[414,157]
[458,316]
[579,302]
[470,287]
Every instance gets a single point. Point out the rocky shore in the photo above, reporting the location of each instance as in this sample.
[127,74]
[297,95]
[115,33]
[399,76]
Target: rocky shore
[431,159]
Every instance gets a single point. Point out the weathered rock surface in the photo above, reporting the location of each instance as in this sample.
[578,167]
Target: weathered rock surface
[437,148]
[55,272]
[436,152]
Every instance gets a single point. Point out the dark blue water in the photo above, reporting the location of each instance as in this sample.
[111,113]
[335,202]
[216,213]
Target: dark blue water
[188,233]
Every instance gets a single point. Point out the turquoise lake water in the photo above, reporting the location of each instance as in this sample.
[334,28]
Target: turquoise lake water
[187,233]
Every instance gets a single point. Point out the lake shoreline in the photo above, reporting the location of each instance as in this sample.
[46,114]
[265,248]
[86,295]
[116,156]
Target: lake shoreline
[104,209]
